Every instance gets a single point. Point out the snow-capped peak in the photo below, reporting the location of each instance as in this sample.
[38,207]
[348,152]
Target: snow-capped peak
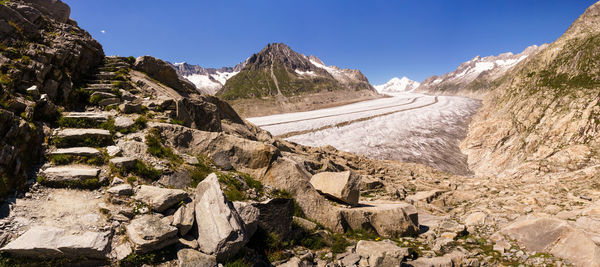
[179,63]
[396,84]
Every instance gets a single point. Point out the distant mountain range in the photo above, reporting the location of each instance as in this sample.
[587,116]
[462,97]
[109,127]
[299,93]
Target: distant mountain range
[477,73]
[397,85]
[207,79]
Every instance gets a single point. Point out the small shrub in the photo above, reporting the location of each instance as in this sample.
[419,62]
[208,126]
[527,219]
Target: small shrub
[95,99]
[178,122]
[140,169]
[339,243]
[155,147]
[150,258]
[130,60]
[200,171]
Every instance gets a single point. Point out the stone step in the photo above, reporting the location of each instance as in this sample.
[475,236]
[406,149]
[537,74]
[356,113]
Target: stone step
[73,137]
[109,101]
[92,116]
[69,176]
[107,88]
[105,75]
[78,151]
[103,94]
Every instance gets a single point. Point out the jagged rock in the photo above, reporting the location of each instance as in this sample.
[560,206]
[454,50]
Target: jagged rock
[122,251]
[184,217]
[123,122]
[78,151]
[162,72]
[151,232]
[121,190]
[343,186]
[249,215]
[245,155]
[113,150]
[387,219]
[159,199]
[201,115]
[287,174]
[193,258]
[123,162]
[541,234]
[47,241]
[220,229]
[128,108]
[383,253]
[275,216]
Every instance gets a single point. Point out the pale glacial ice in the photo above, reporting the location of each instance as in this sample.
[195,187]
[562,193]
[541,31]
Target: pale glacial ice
[422,131]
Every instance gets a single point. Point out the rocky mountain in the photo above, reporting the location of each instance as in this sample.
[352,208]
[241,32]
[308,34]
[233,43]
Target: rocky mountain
[542,115]
[477,74]
[280,75]
[209,80]
[397,85]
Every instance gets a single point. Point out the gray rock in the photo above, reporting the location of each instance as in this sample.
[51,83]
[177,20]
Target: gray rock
[122,251]
[164,73]
[92,116]
[275,216]
[383,253]
[184,217]
[150,232]
[124,122]
[159,199]
[305,224]
[220,229]
[80,135]
[65,174]
[191,258]
[343,186]
[46,241]
[128,108]
[113,150]
[249,215]
[123,162]
[392,220]
[121,190]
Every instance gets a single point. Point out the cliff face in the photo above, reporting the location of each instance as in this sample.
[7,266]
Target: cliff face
[543,115]
[39,46]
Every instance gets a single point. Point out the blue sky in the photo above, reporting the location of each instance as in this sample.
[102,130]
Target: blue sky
[383,39]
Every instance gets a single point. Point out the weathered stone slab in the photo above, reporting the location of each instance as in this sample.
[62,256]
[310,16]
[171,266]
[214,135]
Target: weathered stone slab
[150,232]
[159,199]
[78,151]
[343,186]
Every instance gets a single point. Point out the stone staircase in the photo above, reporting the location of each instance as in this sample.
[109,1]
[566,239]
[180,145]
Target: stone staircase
[76,150]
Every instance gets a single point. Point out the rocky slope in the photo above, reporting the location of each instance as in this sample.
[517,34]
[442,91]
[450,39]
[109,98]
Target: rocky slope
[542,117]
[477,75]
[208,80]
[284,77]
[397,85]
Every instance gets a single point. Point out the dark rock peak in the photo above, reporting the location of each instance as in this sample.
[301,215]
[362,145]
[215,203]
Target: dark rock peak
[282,55]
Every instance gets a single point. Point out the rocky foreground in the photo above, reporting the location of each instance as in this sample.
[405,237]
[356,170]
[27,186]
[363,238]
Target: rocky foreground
[125,164]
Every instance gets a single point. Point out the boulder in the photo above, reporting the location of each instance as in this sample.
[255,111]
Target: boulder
[305,224]
[47,241]
[383,253]
[159,199]
[191,258]
[151,232]
[343,186]
[123,162]
[121,190]
[128,108]
[555,236]
[183,218]
[113,150]
[275,216]
[220,228]
[249,215]
[390,220]
[197,114]
[123,122]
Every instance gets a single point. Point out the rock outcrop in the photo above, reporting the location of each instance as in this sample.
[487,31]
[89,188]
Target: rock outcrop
[164,73]
[343,186]
[221,231]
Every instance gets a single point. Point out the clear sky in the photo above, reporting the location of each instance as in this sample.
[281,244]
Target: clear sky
[383,39]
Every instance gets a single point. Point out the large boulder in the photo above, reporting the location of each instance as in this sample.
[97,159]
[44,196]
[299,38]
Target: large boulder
[220,229]
[151,232]
[164,73]
[198,114]
[54,8]
[287,174]
[249,215]
[183,218]
[390,220]
[159,199]
[383,253]
[555,236]
[47,241]
[276,216]
[244,155]
[343,186]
